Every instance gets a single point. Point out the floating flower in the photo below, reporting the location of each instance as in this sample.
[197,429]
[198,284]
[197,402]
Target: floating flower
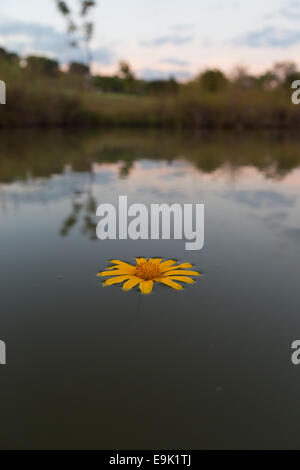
[146,272]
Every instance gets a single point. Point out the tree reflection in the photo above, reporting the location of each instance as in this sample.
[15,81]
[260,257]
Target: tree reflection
[83,210]
[23,153]
[29,161]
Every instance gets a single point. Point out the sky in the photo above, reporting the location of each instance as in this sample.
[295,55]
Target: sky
[162,38]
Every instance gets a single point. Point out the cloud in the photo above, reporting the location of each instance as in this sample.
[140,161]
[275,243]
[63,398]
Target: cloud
[156,74]
[290,14]
[172,39]
[262,199]
[174,61]
[269,37]
[33,38]
[182,27]
[291,10]
[103,55]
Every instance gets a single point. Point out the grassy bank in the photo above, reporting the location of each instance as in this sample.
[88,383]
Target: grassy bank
[233,109]
[52,106]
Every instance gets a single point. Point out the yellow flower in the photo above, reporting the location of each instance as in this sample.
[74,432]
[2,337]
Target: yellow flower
[146,272]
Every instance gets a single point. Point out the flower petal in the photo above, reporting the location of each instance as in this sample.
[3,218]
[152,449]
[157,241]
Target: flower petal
[146,287]
[133,281]
[141,260]
[155,260]
[179,266]
[166,264]
[181,279]
[170,283]
[182,272]
[117,272]
[115,280]
[122,264]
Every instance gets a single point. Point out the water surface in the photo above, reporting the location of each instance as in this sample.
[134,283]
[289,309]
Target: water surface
[205,368]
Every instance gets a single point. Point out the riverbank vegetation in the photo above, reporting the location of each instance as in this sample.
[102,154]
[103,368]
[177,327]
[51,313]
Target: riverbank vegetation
[41,94]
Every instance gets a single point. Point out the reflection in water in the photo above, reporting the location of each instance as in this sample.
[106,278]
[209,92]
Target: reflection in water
[42,154]
[86,167]
[83,210]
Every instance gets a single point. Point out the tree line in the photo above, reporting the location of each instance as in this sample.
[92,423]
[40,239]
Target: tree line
[125,81]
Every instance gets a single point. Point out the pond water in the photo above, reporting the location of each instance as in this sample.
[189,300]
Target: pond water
[205,368]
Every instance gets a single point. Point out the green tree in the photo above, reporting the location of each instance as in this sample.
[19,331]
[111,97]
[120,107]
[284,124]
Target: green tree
[160,87]
[242,79]
[282,70]
[125,71]
[9,57]
[213,81]
[78,69]
[267,81]
[42,66]
[126,74]
[286,73]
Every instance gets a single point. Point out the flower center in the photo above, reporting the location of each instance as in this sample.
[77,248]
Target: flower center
[147,270]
